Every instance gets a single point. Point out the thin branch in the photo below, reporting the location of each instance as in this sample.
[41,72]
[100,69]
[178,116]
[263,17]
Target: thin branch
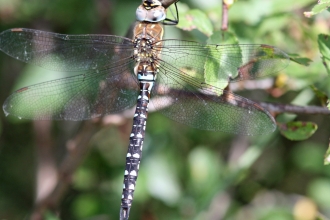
[274,108]
[77,149]
[277,108]
[46,166]
[224,25]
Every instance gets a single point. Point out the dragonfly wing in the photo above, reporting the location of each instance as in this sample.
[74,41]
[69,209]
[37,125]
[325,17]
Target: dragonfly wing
[65,52]
[192,102]
[93,94]
[215,64]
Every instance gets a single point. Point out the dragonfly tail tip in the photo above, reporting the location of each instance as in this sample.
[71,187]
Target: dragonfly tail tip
[124,213]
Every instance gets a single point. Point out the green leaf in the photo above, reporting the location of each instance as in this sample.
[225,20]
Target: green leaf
[321,6]
[328,102]
[320,95]
[222,37]
[318,190]
[297,130]
[195,19]
[327,156]
[324,47]
[300,60]
[212,67]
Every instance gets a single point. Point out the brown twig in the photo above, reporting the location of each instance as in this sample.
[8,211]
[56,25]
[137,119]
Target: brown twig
[46,166]
[224,25]
[277,108]
[77,149]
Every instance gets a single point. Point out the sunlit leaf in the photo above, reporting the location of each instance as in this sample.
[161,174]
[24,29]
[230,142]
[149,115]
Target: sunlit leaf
[271,23]
[195,19]
[327,156]
[320,95]
[297,130]
[321,6]
[324,47]
[300,60]
[222,37]
[212,67]
[202,169]
[319,191]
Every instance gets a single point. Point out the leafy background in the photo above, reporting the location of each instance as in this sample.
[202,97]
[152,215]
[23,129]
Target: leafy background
[185,173]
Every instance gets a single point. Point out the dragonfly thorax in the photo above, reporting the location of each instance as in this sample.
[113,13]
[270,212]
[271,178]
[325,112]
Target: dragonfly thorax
[145,57]
[144,51]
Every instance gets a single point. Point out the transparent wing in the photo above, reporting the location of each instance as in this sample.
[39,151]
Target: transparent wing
[192,102]
[223,63]
[81,97]
[65,52]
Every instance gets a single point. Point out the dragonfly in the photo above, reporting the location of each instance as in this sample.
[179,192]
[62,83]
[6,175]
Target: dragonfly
[115,73]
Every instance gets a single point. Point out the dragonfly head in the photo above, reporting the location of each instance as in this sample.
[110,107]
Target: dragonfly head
[151,11]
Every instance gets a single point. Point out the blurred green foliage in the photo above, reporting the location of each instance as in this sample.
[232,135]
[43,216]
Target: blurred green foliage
[324,45]
[185,173]
[318,8]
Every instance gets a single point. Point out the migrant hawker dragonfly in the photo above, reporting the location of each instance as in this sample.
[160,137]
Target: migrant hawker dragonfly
[180,76]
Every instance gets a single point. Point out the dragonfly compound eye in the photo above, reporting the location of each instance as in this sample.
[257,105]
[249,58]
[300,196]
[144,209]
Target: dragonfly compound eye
[150,13]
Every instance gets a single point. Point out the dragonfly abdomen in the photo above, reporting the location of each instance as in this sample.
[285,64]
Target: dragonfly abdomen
[134,153]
